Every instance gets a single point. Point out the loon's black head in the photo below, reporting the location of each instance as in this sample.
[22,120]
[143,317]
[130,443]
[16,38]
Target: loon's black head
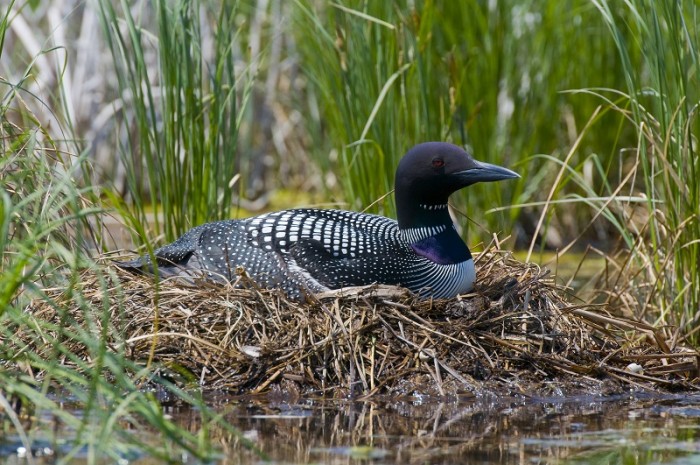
[430,172]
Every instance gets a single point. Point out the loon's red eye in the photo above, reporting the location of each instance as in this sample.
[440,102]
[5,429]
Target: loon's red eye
[438,163]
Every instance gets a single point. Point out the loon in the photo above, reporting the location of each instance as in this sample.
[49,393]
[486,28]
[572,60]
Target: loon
[302,251]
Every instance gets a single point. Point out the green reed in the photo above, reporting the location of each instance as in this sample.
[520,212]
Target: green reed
[44,233]
[486,75]
[49,215]
[659,46]
[595,103]
[186,99]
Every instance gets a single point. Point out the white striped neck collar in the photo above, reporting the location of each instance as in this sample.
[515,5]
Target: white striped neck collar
[433,207]
[417,234]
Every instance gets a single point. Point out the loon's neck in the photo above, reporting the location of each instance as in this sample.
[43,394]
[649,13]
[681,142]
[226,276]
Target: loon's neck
[420,221]
[429,231]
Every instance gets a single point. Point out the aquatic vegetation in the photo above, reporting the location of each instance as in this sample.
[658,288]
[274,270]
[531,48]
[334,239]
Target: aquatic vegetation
[184,97]
[649,179]
[50,227]
[661,104]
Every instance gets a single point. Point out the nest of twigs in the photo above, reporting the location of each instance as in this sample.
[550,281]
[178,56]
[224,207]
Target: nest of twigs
[516,334]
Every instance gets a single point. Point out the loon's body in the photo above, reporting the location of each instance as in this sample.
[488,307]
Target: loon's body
[309,250]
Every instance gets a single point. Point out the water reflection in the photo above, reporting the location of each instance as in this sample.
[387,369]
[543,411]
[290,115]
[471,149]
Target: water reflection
[584,430]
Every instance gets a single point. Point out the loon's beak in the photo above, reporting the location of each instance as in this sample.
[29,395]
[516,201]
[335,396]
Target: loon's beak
[485,172]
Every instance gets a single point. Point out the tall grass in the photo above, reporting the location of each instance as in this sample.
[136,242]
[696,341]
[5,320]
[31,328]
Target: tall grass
[486,75]
[594,102]
[646,184]
[661,102]
[47,215]
[44,234]
[186,88]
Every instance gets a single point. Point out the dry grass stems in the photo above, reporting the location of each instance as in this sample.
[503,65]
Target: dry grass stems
[516,335]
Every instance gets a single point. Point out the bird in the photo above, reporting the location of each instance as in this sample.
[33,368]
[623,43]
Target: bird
[305,251]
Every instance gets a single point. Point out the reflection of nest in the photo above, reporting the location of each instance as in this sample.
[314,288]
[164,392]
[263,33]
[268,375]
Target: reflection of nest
[516,334]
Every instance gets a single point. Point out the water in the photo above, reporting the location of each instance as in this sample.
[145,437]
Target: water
[623,430]
[638,429]
[614,430]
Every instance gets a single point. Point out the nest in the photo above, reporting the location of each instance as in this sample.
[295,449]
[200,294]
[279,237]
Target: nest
[517,334]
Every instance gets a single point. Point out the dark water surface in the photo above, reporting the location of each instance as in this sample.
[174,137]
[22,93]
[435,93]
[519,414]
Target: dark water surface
[633,429]
[625,430]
